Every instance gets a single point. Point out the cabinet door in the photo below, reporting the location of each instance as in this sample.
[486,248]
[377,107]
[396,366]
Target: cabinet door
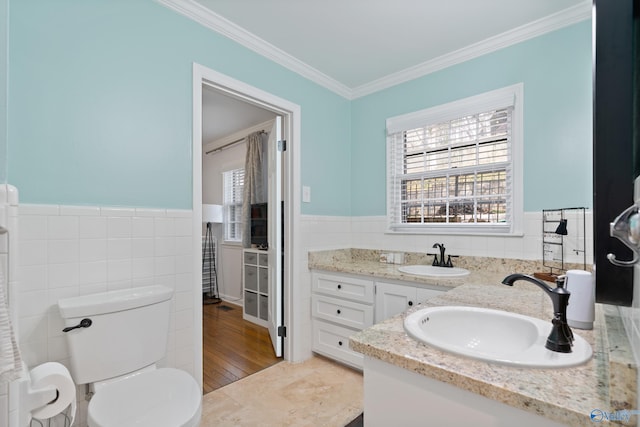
[423,294]
[392,299]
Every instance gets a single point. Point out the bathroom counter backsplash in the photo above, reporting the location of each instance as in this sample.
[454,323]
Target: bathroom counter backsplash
[607,382]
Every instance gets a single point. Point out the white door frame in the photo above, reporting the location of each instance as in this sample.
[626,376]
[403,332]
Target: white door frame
[291,192]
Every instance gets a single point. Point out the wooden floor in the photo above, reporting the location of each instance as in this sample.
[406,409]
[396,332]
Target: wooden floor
[233,348]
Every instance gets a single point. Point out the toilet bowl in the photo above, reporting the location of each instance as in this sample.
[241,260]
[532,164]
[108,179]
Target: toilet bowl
[163,397]
[115,340]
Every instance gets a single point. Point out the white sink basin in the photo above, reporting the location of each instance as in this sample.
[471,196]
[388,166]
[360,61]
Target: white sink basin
[493,336]
[433,271]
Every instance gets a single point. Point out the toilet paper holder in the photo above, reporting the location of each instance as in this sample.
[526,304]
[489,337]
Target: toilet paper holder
[32,399]
[40,423]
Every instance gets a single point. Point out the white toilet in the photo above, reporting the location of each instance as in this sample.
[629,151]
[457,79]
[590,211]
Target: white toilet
[115,352]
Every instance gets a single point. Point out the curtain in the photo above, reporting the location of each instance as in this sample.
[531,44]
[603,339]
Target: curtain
[10,362]
[253,191]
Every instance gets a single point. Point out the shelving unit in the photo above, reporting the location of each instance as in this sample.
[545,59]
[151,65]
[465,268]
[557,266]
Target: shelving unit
[255,279]
[563,230]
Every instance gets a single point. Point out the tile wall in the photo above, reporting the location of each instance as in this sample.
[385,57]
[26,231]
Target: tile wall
[8,267]
[65,251]
[370,233]
[315,233]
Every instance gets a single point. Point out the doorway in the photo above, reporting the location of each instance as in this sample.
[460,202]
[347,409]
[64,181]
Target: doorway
[251,99]
[234,346]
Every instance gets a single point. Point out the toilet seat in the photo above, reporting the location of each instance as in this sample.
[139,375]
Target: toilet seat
[164,397]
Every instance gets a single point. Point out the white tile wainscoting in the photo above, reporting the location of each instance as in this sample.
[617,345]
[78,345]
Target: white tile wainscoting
[65,251]
[370,232]
[8,268]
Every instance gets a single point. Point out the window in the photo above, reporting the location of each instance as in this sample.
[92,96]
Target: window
[233,182]
[457,168]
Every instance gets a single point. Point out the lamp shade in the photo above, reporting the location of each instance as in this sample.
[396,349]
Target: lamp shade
[212,213]
[562,228]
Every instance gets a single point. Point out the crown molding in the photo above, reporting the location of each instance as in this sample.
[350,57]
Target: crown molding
[550,23]
[223,26]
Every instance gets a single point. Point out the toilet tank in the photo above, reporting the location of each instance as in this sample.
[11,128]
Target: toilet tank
[129,330]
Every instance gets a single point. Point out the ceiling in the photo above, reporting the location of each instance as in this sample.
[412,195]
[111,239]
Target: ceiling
[357,42]
[356,47]
[223,115]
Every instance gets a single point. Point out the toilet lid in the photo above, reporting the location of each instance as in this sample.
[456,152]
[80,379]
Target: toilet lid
[164,397]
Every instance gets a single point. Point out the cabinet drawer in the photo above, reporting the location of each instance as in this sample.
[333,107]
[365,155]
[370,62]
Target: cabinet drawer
[263,260]
[333,341]
[347,313]
[263,273]
[251,303]
[251,277]
[251,258]
[264,307]
[344,287]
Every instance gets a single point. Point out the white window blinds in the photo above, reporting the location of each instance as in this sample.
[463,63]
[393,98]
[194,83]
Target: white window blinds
[451,171]
[233,187]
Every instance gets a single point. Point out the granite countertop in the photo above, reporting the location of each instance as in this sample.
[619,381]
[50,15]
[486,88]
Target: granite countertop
[568,395]
[366,262]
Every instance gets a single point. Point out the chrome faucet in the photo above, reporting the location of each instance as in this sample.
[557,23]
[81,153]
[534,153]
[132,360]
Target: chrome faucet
[561,338]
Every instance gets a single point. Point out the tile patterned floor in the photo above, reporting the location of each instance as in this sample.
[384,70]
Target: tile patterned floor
[315,393]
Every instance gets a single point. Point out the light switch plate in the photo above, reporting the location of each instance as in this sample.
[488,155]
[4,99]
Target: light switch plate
[306,194]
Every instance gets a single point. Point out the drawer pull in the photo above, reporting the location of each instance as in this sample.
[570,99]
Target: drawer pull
[410,303]
[340,343]
[338,311]
[339,286]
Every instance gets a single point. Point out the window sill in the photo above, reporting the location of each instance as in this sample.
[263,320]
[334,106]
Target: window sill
[232,243]
[456,231]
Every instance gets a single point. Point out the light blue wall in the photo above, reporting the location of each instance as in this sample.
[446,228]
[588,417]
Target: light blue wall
[100,106]
[100,109]
[556,71]
[4,34]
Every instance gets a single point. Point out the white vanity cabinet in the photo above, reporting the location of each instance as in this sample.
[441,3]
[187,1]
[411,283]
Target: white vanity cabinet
[393,298]
[341,305]
[255,279]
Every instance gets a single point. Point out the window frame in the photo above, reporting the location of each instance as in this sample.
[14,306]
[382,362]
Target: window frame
[227,207]
[510,96]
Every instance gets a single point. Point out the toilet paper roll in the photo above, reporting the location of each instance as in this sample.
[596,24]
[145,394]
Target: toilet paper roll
[53,374]
[581,308]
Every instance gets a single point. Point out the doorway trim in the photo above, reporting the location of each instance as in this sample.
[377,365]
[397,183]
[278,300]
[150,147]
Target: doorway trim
[291,192]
